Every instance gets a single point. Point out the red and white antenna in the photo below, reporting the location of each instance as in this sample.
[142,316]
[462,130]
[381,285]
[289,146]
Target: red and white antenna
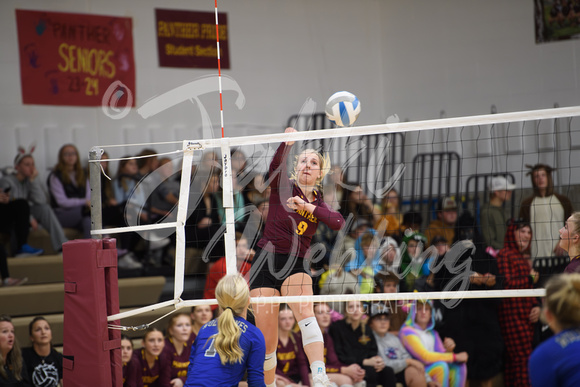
[217,37]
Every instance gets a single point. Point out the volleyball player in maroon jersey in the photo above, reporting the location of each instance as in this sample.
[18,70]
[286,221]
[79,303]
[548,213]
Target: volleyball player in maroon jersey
[279,267]
[154,366]
[177,347]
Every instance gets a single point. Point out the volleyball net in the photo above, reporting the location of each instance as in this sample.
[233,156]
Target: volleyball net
[222,189]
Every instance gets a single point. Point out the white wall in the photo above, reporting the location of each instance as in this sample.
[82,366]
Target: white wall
[413,58]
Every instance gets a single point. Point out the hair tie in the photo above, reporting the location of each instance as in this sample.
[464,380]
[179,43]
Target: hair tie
[230,309]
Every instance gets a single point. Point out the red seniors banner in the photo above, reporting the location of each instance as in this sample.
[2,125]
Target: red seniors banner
[188,39]
[73,59]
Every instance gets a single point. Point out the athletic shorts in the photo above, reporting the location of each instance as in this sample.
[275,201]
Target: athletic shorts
[269,270]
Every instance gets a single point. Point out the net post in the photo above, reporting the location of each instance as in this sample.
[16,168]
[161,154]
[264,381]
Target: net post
[182,218]
[228,203]
[95,186]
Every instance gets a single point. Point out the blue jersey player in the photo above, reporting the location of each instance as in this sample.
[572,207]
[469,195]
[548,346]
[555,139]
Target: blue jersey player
[228,347]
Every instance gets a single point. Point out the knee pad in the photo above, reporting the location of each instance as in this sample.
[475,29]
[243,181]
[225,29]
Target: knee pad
[311,332]
[270,361]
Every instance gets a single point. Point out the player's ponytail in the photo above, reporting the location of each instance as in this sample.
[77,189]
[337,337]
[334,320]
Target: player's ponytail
[563,299]
[233,296]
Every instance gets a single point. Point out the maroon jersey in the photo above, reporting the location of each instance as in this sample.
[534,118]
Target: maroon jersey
[291,360]
[178,363]
[288,230]
[156,376]
[132,374]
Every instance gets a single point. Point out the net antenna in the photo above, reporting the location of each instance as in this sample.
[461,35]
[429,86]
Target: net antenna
[226,144]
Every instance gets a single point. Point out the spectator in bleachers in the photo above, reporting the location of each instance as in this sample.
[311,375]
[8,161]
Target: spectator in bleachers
[333,188]
[356,202]
[390,255]
[517,316]
[131,371]
[444,225]
[556,362]
[200,315]
[240,215]
[337,372]
[127,178]
[5,279]
[366,262]
[112,211]
[413,245]
[43,362]
[147,164]
[411,221]
[338,280]
[15,221]
[166,195]
[388,282]
[292,365]
[12,368]
[354,342]
[570,241]
[472,323]
[155,366]
[70,192]
[388,216]
[492,214]
[257,191]
[125,195]
[424,343]
[177,347]
[243,172]
[408,371]
[23,184]
[545,211]
[204,222]
[244,256]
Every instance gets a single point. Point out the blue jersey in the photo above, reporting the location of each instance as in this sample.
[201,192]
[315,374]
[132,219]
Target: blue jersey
[556,362]
[205,367]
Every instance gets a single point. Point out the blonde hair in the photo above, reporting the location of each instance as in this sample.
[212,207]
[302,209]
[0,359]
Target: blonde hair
[576,220]
[325,165]
[232,294]
[563,299]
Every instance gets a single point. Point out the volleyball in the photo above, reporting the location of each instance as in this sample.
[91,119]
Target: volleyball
[343,108]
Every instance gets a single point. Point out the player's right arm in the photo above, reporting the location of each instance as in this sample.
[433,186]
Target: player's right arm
[256,355]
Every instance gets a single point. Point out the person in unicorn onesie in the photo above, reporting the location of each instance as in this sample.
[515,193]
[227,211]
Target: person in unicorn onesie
[424,344]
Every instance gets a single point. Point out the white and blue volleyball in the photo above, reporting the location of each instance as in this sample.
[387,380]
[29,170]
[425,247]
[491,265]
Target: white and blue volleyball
[343,108]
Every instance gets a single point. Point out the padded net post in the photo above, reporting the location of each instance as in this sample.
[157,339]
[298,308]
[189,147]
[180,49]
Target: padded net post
[92,354]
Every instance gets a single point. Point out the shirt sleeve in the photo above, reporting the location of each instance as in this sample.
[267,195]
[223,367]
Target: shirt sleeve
[328,216]
[57,191]
[415,347]
[37,194]
[256,356]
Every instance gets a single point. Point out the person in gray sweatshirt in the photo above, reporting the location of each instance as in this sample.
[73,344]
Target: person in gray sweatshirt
[23,184]
[408,371]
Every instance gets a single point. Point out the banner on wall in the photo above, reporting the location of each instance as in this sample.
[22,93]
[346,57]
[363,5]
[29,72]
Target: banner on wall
[188,39]
[74,59]
[556,20]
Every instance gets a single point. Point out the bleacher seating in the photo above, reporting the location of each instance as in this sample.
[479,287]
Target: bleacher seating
[44,295]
